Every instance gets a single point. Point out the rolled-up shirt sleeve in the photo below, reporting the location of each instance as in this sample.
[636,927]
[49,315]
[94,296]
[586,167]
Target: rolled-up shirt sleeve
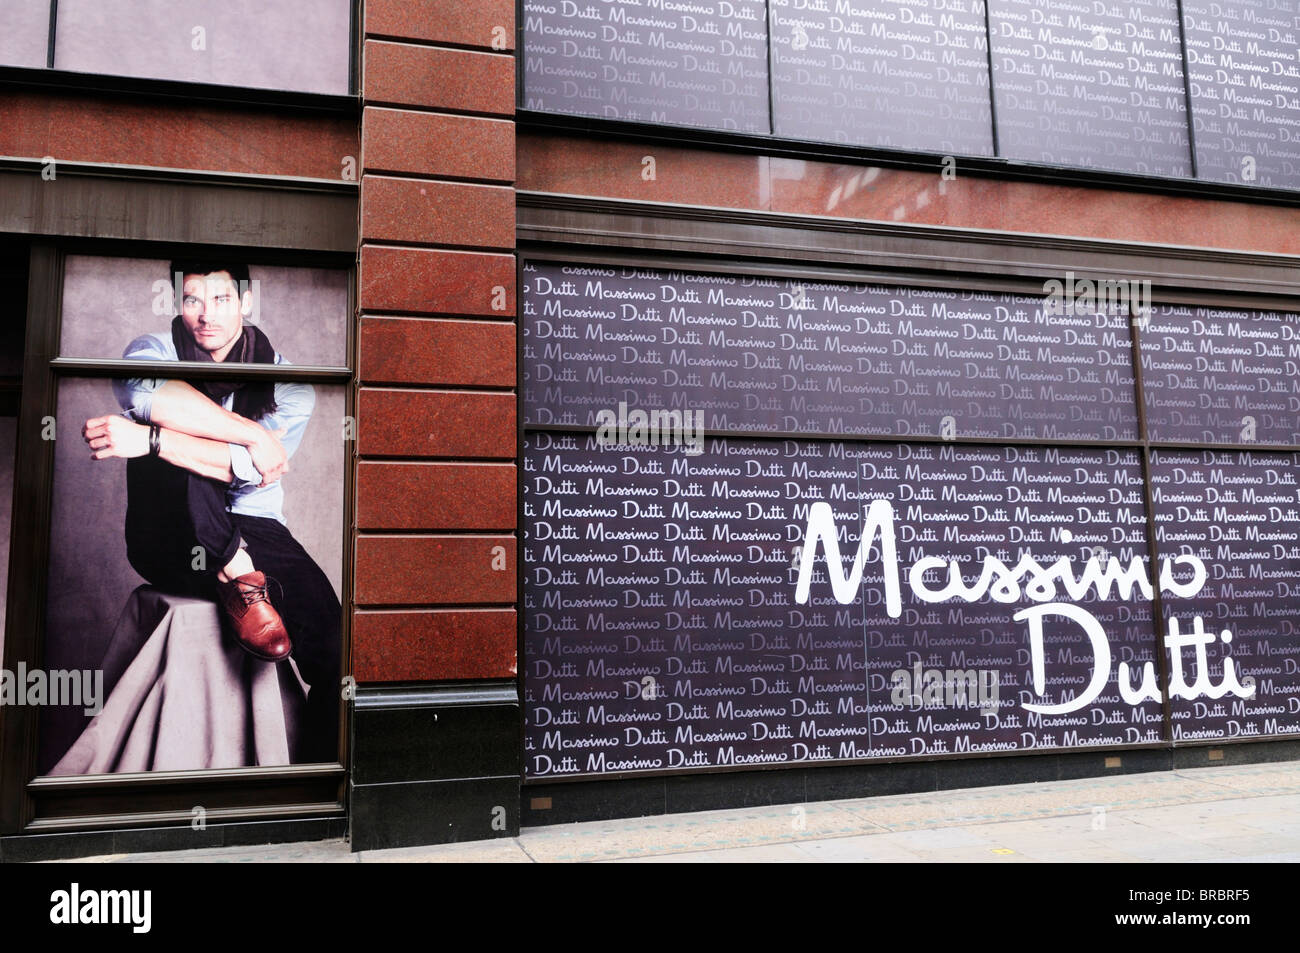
[294,404]
[241,465]
[135,394]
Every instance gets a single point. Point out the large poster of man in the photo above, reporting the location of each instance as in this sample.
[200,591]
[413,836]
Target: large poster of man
[196,545]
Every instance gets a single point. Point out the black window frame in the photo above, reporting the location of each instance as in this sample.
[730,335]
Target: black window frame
[32,804]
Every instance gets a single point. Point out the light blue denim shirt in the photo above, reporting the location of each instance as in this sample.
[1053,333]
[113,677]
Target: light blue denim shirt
[294,404]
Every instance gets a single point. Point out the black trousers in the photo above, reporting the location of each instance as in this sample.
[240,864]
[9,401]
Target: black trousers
[171,511]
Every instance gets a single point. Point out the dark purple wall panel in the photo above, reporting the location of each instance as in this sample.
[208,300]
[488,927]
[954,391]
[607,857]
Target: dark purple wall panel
[1104,86]
[1211,375]
[663,629]
[1239,513]
[778,356]
[1244,85]
[697,604]
[698,64]
[1099,87]
[882,74]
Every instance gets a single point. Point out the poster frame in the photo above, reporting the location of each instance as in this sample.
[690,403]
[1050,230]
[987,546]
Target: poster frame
[33,804]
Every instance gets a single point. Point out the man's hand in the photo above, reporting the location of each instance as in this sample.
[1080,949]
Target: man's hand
[115,436]
[269,456]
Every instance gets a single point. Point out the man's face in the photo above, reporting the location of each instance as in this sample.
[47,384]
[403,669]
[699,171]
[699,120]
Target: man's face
[213,312]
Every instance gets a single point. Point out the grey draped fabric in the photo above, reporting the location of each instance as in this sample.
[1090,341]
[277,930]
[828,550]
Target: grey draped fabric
[183,697]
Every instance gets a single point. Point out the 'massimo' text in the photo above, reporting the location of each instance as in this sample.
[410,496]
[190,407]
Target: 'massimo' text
[1038,583]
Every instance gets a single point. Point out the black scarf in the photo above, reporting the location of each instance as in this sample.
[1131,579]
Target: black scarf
[252,400]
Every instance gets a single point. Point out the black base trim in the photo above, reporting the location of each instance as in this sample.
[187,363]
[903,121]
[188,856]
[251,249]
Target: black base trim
[27,848]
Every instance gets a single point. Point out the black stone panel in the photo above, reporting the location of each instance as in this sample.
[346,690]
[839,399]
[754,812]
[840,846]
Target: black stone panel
[433,812]
[985,772]
[594,801]
[1267,752]
[435,735]
[283,832]
[853,781]
[714,792]
[1074,766]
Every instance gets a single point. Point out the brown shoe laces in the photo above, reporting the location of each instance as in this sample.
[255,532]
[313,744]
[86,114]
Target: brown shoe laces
[252,594]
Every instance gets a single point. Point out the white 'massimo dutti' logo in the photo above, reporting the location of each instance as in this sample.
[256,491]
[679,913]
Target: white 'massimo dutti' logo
[76,906]
[1028,578]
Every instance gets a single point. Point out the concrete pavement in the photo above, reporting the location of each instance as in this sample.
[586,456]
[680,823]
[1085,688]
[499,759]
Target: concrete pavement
[1245,813]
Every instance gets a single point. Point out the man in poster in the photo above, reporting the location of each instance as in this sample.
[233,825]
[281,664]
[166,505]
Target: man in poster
[204,499]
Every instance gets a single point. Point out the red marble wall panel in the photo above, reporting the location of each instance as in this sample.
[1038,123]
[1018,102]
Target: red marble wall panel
[417,280]
[419,211]
[480,23]
[431,78]
[435,570]
[176,136]
[438,145]
[473,353]
[433,645]
[420,423]
[576,165]
[437,325]
[436,496]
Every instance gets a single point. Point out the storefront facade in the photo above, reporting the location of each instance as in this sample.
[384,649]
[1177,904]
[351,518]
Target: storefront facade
[693,406]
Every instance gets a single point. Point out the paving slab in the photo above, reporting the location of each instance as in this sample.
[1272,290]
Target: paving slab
[1247,813]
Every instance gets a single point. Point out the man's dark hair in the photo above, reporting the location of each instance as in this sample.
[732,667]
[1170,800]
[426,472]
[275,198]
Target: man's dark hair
[199,266]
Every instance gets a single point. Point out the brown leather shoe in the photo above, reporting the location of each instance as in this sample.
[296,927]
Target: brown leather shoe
[258,628]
